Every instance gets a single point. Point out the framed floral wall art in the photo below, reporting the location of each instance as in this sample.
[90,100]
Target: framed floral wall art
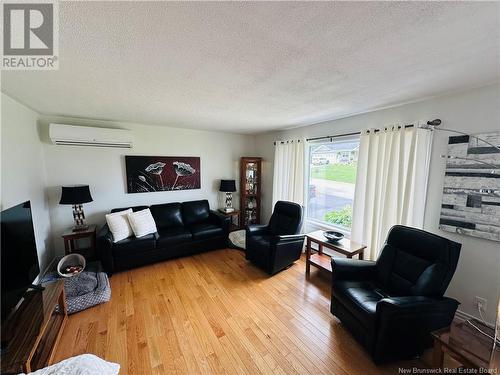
[162,173]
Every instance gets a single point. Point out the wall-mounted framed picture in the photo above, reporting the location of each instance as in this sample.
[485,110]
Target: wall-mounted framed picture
[471,192]
[162,173]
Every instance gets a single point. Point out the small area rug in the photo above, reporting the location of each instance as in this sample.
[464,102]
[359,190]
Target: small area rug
[237,239]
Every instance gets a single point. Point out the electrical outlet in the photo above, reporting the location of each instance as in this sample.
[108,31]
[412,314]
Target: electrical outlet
[480,302]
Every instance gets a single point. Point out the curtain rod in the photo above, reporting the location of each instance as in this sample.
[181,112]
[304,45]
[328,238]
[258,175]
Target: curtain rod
[283,142]
[348,134]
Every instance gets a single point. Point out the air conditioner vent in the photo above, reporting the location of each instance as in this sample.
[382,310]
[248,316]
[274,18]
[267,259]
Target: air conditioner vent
[71,135]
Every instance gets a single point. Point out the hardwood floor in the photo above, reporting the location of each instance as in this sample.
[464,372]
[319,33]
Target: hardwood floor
[215,313]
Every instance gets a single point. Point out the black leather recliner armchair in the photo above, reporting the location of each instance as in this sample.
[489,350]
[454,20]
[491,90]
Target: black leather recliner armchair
[277,245]
[393,304]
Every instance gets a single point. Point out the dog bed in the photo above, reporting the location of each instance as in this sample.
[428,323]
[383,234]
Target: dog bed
[85,290]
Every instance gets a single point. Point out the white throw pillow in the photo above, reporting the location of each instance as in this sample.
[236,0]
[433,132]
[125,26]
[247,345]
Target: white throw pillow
[142,222]
[118,225]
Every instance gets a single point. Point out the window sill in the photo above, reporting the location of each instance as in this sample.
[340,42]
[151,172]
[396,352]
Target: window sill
[312,224]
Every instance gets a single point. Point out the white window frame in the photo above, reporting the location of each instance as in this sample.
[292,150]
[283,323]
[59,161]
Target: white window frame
[314,224]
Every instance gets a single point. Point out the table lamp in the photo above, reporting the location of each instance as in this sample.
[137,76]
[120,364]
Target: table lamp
[76,195]
[228,187]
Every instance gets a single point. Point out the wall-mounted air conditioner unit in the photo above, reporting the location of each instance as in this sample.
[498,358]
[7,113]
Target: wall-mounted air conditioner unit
[71,135]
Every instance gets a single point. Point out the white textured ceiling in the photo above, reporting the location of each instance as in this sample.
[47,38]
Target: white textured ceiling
[255,66]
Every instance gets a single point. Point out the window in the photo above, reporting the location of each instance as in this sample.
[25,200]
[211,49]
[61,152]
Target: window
[332,178]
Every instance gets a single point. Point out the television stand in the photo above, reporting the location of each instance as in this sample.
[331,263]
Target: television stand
[37,287]
[30,334]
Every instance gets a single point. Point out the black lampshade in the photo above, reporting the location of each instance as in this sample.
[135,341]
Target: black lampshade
[75,194]
[227,186]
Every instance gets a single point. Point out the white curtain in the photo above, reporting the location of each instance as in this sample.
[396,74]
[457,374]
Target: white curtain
[288,180]
[391,183]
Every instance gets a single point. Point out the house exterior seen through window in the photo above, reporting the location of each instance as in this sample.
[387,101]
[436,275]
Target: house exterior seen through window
[332,178]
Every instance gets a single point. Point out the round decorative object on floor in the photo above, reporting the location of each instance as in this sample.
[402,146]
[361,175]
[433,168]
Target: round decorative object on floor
[237,239]
[333,236]
[71,265]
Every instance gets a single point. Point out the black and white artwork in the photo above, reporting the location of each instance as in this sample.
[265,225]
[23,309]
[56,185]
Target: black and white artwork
[471,194]
[162,173]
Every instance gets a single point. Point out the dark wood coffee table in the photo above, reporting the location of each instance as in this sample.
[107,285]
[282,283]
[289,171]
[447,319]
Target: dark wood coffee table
[466,345]
[323,261]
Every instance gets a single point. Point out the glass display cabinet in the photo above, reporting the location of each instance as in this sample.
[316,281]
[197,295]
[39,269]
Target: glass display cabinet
[250,188]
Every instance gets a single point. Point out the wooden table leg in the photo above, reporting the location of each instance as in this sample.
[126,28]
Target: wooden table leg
[93,241]
[66,247]
[438,355]
[361,255]
[308,255]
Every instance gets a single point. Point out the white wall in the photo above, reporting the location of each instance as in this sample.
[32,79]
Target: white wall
[104,168]
[23,171]
[474,111]
[25,158]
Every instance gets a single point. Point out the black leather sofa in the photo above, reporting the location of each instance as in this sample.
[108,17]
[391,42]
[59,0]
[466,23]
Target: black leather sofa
[393,304]
[183,229]
[275,246]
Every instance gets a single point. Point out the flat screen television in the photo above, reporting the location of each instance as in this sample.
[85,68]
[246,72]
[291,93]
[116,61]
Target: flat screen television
[19,255]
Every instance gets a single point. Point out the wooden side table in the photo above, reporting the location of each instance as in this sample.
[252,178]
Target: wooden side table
[70,240]
[465,344]
[233,215]
[323,261]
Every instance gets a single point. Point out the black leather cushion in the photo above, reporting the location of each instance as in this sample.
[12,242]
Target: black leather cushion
[410,263]
[404,272]
[286,218]
[167,215]
[205,230]
[135,208]
[173,236]
[134,245]
[195,211]
[360,298]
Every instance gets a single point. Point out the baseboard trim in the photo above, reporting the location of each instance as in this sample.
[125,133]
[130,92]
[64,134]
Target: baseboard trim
[49,267]
[463,316]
